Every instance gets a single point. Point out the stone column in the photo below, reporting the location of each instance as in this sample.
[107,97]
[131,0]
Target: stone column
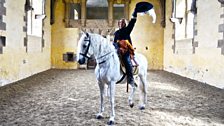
[83,12]
[110,12]
[67,14]
[163,13]
[126,9]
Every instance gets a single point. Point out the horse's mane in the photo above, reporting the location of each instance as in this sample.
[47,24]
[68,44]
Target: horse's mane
[104,42]
[97,37]
[102,45]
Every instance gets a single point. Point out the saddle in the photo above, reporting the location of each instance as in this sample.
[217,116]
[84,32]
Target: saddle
[135,69]
[124,47]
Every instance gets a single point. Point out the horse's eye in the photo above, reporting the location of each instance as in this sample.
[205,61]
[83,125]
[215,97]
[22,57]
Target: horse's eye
[84,46]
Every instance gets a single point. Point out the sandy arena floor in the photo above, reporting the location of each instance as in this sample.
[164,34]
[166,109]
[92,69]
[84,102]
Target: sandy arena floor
[71,98]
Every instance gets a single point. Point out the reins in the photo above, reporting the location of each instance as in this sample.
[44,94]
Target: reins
[87,50]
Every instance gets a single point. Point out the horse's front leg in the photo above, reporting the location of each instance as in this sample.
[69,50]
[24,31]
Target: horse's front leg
[112,95]
[106,91]
[130,98]
[100,114]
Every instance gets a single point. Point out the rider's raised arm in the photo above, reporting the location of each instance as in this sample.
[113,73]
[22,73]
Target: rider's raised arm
[131,24]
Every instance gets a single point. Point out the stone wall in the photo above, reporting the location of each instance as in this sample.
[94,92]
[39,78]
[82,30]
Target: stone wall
[148,37]
[64,40]
[23,55]
[205,63]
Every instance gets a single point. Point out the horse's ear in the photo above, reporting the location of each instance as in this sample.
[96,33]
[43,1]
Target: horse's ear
[82,31]
[87,34]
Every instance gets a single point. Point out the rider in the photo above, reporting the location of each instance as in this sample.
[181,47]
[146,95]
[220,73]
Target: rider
[124,34]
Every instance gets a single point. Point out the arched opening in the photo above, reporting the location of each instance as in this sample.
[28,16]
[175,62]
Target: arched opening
[97,9]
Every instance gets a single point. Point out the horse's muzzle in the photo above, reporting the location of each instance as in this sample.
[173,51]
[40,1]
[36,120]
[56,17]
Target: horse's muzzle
[81,61]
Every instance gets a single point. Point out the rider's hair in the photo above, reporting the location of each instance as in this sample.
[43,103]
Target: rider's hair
[123,20]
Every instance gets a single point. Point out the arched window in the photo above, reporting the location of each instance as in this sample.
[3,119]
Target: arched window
[97,9]
[76,14]
[118,11]
[75,11]
[35,17]
[183,17]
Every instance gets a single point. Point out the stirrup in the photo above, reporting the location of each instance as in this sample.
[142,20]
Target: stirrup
[134,63]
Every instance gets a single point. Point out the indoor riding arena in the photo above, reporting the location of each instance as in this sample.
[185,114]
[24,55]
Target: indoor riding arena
[44,83]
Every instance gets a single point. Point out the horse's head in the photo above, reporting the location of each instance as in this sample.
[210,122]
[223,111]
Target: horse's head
[84,51]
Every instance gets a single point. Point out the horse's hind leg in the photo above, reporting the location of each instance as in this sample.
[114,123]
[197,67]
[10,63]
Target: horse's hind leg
[100,114]
[143,91]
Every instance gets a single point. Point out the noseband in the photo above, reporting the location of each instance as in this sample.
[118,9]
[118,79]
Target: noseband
[87,49]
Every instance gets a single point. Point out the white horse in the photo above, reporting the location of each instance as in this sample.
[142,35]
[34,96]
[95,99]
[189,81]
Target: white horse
[108,69]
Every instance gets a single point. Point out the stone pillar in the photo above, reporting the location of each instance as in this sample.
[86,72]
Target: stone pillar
[163,13]
[110,12]
[126,9]
[83,12]
[67,14]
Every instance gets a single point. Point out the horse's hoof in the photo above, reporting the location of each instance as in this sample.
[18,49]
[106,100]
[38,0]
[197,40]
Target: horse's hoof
[131,105]
[141,107]
[135,85]
[110,122]
[99,117]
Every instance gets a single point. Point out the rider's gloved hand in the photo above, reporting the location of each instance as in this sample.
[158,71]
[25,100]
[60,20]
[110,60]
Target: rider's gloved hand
[134,14]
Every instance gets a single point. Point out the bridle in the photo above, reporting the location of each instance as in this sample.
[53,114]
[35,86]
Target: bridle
[87,39]
[85,54]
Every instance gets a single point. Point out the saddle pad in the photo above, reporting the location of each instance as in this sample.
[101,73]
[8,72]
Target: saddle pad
[135,68]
